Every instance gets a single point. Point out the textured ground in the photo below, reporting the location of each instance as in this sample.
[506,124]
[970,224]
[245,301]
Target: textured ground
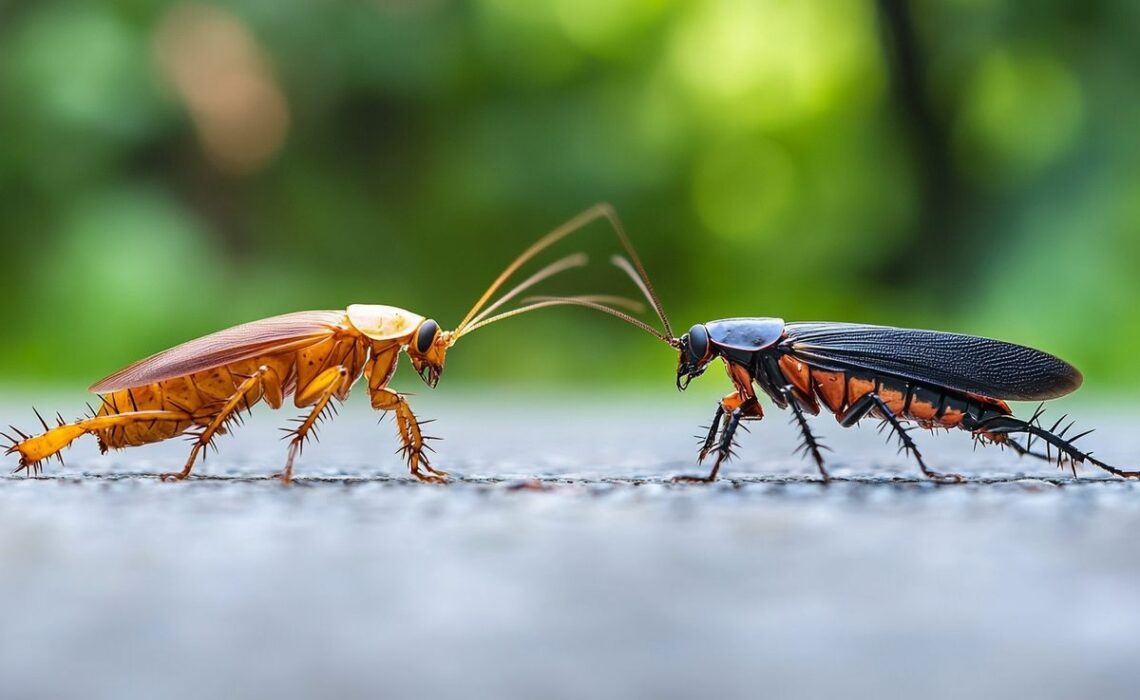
[595,578]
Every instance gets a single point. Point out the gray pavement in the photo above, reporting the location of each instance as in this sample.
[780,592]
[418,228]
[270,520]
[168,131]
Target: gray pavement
[563,564]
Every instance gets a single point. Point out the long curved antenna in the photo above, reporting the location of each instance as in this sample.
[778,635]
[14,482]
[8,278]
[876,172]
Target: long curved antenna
[598,211]
[596,302]
[625,302]
[642,278]
[642,284]
[576,260]
[591,302]
[595,212]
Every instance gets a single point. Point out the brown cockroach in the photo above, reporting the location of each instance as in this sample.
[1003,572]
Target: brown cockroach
[201,387]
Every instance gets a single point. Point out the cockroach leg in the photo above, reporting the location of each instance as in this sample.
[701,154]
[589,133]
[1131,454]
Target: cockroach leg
[871,400]
[411,435]
[227,411]
[34,450]
[1007,425]
[714,428]
[1024,451]
[810,444]
[743,407]
[723,450]
[318,393]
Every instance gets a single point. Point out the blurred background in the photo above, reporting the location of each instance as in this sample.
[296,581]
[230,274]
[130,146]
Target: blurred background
[170,169]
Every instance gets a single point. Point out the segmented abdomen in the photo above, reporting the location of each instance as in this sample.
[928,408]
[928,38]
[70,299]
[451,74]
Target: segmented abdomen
[200,396]
[930,407]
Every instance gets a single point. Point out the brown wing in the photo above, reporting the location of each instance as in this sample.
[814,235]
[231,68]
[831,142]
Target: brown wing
[242,342]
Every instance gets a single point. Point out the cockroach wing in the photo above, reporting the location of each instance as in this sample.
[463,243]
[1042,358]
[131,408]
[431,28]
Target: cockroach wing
[278,333]
[991,368]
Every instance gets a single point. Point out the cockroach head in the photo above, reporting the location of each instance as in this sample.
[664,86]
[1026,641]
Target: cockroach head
[696,351]
[428,350]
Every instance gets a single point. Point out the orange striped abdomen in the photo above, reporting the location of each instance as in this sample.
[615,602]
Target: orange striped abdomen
[200,396]
[930,407]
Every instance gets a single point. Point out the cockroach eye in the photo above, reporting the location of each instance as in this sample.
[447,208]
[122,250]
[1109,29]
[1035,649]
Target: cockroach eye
[426,335]
[698,342]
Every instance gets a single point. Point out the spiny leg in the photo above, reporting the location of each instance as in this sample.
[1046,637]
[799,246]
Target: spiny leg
[229,410]
[736,402]
[1024,451]
[723,449]
[1027,450]
[810,443]
[714,428]
[412,438]
[1007,425]
[318,393]
[33,450]
[871,400]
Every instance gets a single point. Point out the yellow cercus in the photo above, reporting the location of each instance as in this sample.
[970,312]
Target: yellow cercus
[201,387]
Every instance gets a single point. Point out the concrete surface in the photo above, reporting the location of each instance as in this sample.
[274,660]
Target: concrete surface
[564,565]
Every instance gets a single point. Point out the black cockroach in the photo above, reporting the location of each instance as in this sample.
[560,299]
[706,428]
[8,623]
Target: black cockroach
[931,378]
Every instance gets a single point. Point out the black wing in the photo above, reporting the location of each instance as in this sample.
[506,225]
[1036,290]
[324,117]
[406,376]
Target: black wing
[991,368]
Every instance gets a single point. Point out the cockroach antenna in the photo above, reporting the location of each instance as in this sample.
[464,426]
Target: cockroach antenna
[576,260]
[635,270]
[596,302]
[478,317]
[574,224]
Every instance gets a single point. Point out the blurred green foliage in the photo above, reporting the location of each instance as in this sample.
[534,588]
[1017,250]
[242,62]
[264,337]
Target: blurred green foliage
[168,170]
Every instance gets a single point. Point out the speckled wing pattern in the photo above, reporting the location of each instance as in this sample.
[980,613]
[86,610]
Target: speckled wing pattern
[278,333]
[991,368]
